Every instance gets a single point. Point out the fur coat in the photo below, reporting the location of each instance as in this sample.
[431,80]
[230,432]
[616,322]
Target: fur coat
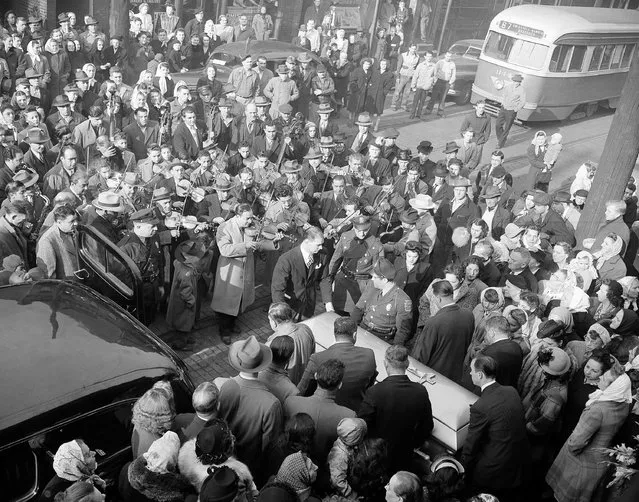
[137,484]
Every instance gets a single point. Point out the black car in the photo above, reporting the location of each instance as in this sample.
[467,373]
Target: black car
[73,364]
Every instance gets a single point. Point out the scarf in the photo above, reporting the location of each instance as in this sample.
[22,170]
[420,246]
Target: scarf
[601,331]
[626,284]
[69,463]
[33,53]
[562,314]
[294,472]
[605,255]
[617,392]
[629,324]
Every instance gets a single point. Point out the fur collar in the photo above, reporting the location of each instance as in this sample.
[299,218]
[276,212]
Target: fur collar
[167,487]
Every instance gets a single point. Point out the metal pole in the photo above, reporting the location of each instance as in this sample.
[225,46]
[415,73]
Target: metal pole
[441,35]
[373,30]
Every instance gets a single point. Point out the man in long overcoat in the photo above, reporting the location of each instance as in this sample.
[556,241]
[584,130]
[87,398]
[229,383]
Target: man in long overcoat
[235,274]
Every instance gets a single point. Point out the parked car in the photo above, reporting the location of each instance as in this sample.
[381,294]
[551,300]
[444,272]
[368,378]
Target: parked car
[74,363]
[229,56]
[466,57]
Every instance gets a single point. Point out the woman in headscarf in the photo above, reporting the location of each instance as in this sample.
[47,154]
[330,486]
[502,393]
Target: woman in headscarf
[609,263]
[582,385]
[214,40]
[145,77]
[214,447]
[538,173]
[154,475]
[299,472]
[298,435]
[74,461]
[59,66]
[596,337]
[351,432]
[38,62]
[163,81]
[517,318]
[583,264]
[582,462]
[90,70]
[630,287]
[624,327]
[76,56]
[153,415]
[97,57]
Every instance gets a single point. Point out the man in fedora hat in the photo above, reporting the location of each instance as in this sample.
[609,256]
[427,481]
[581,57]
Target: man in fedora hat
[88,37]
[359,142]
[288,214]
[64,114]
[513,100]
[384,309]
[281,90]
[217,207]
[304,79]
[499,179]
[457,212]
[495,215]
[350,268]
[35,157]
[325,125]
[253,414]
[131,198]
[102,214]
[425,225]
[85,134]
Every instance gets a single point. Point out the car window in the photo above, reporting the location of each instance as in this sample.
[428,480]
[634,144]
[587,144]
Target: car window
[458,49]
[474,52]
[18,473]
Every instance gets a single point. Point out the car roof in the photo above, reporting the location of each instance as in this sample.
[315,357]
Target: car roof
[62,341]
[271,49]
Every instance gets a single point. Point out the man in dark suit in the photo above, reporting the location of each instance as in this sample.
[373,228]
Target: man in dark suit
[491,275]
[187,138]
[141,133]
[506,352]
[495,215]
[496,451]
[398,411]
[322,407]
[249,126]
[444,340]
[359,361]
[296,273]
[205,403]
[272,144]
[358,143]
[376,164]
[329,203]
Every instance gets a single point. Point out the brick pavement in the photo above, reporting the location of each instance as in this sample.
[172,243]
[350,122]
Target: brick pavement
[207,359]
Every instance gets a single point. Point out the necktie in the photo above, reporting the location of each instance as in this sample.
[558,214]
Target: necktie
[309,262]
[411,190]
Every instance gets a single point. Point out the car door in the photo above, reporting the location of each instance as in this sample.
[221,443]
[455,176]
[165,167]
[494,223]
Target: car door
[109,271]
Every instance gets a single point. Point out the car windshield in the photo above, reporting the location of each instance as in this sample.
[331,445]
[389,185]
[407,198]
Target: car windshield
[516,51]
[465,50]
[223,59]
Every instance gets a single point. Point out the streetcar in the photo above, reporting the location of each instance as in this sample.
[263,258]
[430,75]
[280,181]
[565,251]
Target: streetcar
[572,59]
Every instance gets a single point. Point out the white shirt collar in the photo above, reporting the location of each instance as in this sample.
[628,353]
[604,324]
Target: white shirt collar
[487,384]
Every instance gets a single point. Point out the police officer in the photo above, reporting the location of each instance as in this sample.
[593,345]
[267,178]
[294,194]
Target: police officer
[143,247]
[350,268]
[384,309]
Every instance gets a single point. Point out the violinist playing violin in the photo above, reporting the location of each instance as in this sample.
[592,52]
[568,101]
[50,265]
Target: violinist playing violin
[240,159]
[246,192]
[289,215]
[234,289]
[218,206]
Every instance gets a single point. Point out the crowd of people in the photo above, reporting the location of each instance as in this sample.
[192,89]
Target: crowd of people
[434,253]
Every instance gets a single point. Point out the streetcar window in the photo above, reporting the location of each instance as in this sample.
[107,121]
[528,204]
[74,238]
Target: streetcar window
[560,58]
[616,57]
[577,59]
[595,60]
[627,55]
[515,51]
[607,57]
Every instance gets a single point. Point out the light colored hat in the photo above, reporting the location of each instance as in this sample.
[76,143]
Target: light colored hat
[422,201]
[162,455]
[109,201]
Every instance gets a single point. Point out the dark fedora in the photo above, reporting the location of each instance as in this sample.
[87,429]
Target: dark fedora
[220,486]
[451,147]
[250,355]
[37,136]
